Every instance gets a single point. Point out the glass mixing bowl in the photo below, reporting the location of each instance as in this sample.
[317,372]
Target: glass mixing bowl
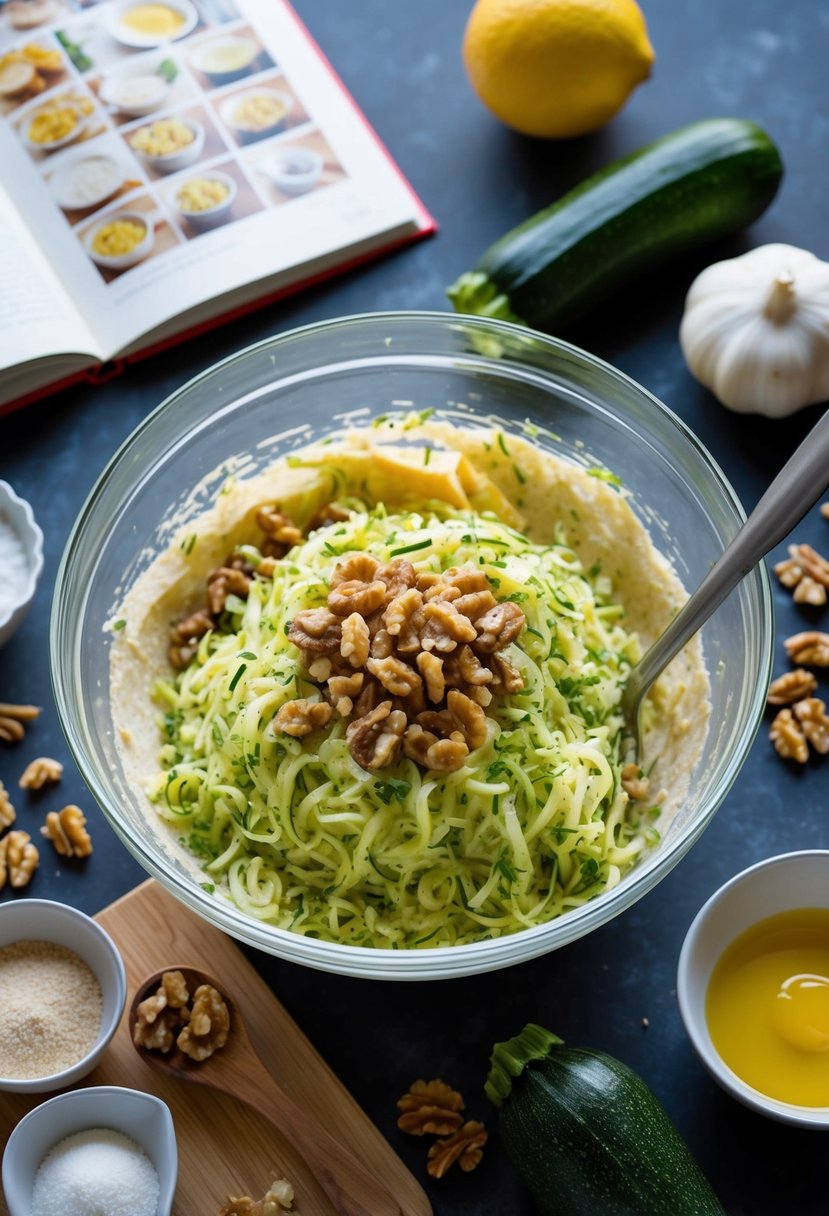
[277,396]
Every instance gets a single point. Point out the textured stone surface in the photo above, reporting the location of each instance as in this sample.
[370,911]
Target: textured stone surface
[752,58]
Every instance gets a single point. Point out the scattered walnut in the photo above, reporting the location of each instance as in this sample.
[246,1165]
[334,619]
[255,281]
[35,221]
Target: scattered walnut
[430,1107]
[67,831]
[395,675]
[431,669]
[208,1027]
[401,610]
[382,644]
[466,580]
[301,717]
[354,567]
[7,811]
[278,1199]
[223,582]
[40,772]
[316,631]
[789,573]
[507,677]
[806,572]
[812,563]
[791,686]
[444,627]
[465,1147]
[811,714]
[354,642]
[369,698]
[634,782]
[398,576]
[439,755]
[343,690]
[281,531]
[192,627]
[498,627]
[462,715]
[374,740]
[12,718]
[18,859]
[788,738]
[809,649]
[475,603]
[809,592]
[160,1016]
[356,596]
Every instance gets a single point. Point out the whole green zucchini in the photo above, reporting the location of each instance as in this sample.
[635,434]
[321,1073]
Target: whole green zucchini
[691,187]
[587,1135]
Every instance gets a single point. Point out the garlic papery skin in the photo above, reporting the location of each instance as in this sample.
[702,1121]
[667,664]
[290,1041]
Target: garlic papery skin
[756,330]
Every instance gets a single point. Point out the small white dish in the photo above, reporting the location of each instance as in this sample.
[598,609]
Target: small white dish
[779,884]
[240,51]
[294,170]
[142,1117]
[128,36]
[114,91]
[244,130]
[68,174]
[81,123]
[44,920]
[17,515]
[209,215]
[121,261]
[171,162]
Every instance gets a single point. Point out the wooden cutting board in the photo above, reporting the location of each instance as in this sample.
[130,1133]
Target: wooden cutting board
[224,1147]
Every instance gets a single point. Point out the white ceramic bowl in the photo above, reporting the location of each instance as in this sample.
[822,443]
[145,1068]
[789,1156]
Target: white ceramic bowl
[81,122]
[142,1117]
[109,93]
[16,513]
[171,162]
[121,261]
[130,37]
[779,884]
[294,170]
[211,215]
[61,183]
[46,921]
[200,58]
[247,134]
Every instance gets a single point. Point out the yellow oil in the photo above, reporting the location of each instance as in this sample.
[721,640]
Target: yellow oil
[155,20]
[767,1006]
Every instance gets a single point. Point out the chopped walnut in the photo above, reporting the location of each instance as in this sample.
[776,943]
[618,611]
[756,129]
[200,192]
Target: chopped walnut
[19,859]
[431,669]
[462,714]
[445,627]
[498,627]
[371,696]
[278,1199]
[7,811]
[281,531]
[208,1027]
[161,1015]
[301,717]
[12,718]
[40,772]
[185,637]
[343,690]
[382,644]
[811,714]
[356,596]
[507,677]
[401,611]
[466,580]
[806,573]
[464,1146]
[395,675]
[374,740]
[354,567]
[791,686]
[399,575]
[809,592]
[809,649]
[355,640]
[327,515]
[223,582]
[439,755]
[789,572]
[316,631]
[67,831]
[788,738]
[475,604]
[634,782]
[430,1107]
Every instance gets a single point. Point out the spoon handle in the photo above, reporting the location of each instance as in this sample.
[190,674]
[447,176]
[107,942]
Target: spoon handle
[796,488]
[351,1187]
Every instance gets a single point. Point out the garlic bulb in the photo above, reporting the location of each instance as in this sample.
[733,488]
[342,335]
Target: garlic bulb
[756,330]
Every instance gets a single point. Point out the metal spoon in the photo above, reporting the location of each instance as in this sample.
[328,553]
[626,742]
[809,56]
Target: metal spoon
[236,1069]
[796,488]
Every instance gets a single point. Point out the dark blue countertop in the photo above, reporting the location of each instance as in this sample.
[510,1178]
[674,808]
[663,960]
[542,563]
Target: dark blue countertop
[751,58]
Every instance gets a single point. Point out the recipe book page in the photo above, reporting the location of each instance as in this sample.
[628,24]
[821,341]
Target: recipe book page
[174,160]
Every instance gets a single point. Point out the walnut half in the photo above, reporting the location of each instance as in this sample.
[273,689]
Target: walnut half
[208,1027]
[67,831]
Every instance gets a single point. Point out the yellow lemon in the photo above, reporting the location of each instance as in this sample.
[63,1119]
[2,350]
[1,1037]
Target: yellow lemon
[556,68]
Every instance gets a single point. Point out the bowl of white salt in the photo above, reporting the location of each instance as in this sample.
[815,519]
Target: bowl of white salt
[21,559]
[102,1149]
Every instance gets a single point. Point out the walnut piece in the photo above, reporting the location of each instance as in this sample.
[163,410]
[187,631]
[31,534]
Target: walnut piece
[223,582]
[316,631]
[40,772]
[301,717]
[462,715]
[12,718]
[444,627]
[439,755]
[343,690]
[356,596]
[278,1199]
[67,831]
[281,531]
[431,669]
[397,677]
[791,686]
[634,782]
[374,740]
[7,811]
[430,1107]
[398,576]
[806,573]
[465,1146]
[19,859]
[354,567]
[809,592]
[208,1027]
[499,627]
[788,738]
[809,649]
[160,1016]
[811,714]
[355,640]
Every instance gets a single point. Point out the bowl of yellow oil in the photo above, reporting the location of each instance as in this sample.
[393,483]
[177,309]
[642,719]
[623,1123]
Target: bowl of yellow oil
[753,987]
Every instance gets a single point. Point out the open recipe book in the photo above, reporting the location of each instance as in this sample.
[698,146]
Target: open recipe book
[164,163]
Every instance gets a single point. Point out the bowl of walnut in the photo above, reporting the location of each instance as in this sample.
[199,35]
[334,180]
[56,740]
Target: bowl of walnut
[370,592]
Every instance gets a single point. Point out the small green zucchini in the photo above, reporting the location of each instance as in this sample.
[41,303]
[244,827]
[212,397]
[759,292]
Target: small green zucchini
[691,187]
[587,1135]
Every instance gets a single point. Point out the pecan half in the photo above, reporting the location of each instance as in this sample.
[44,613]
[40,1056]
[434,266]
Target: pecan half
[396,676]
[431,669]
